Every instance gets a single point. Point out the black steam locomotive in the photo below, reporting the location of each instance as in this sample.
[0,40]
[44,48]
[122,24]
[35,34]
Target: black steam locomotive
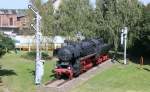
[77,58]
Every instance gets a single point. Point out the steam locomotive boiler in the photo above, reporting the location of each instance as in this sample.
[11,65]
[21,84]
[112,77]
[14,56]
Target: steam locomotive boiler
[77,58]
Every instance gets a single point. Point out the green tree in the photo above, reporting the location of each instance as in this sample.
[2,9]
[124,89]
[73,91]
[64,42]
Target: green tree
[6,44]
[48,19]
[117,14]
[145,34]
[46,12]
[141,45]
[75,16]
[106,21]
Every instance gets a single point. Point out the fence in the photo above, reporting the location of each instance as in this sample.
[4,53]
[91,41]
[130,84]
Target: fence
[46,47]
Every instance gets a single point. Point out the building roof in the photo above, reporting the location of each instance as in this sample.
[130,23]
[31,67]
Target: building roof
[5,11]
[18,12]
[21,13]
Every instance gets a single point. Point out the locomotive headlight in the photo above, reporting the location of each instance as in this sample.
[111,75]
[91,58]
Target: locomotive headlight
[69,67]
[56,67]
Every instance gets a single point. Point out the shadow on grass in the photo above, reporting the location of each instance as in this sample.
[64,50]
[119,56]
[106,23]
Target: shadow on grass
[52,75]
[5,72]
[132,57]
[31,71]
[136,60]
[147,69]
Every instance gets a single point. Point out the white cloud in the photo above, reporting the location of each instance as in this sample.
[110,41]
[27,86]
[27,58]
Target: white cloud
[145,1]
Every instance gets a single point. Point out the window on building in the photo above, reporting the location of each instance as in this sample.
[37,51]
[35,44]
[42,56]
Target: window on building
[11,21]
[18,19]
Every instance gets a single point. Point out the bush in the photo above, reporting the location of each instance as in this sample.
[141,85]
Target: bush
[2,50]
[45,55]
[6,44]
[32,55]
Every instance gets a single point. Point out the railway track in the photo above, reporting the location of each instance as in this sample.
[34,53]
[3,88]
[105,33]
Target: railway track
[66,85]
[56,83]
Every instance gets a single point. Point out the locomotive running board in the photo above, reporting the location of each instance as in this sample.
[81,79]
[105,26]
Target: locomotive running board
[88,56]
[75,82]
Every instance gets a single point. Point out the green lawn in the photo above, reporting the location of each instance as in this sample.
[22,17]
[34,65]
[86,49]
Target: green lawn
[17,76]
[17,73]
[119,78]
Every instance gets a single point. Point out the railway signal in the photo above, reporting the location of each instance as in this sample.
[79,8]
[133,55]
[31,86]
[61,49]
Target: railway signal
[39,68]
[124,33]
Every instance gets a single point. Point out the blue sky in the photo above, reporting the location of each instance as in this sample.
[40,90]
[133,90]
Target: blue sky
[145,1]
[22,4]
[14,4]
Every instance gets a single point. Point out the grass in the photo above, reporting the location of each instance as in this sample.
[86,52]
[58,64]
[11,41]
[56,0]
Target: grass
[17,76]
[119,78]
[18,73]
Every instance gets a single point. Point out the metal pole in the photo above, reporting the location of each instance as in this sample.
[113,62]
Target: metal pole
[37,39]
[38,75]
[125,45]
[122,36]
[39,68]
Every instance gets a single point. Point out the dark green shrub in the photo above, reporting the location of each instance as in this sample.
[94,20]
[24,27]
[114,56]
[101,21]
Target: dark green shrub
[2,50]
[45,55]
[32,55]
[6,44]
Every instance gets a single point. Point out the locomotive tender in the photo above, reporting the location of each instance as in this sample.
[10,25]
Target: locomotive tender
[77,58]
